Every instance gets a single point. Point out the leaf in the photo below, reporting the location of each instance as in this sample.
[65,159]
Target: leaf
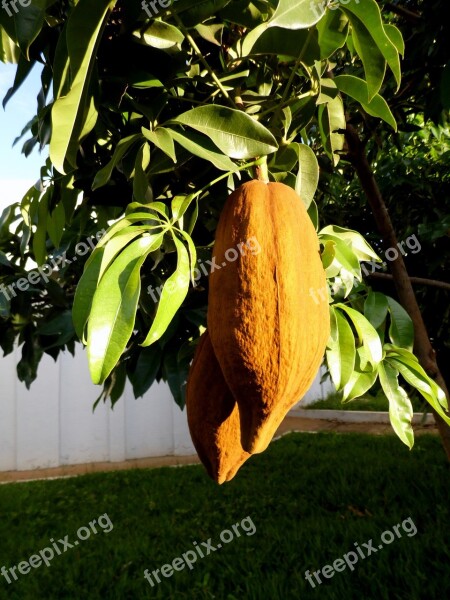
[332,124]
[147,368]
[358,244]
[308,173]
[160,35]
[359,383]
[366,333]
[234,132]
[23,70]
[410,369]
[85,292]
[104,175]
[341,352]
[376,308]
[56,222]
[396,37]
[113,312]
[357,88]
[174,292]
[40,235]
[23,24]
[368,12]
[333,32]
[162,139]
[193,12]
[401,330]
[283,42]
[297,14]
[372,59]
[203,148]
[400,408]
[83,33]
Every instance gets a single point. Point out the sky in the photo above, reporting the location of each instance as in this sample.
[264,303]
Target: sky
[17,173]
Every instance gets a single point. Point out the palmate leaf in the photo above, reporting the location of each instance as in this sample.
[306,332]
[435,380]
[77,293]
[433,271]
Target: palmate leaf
[113,311]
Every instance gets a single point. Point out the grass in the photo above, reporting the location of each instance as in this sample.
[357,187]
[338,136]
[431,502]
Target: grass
[310,497]
[373,403]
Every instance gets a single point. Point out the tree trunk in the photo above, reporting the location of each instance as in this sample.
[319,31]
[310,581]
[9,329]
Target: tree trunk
[422,345]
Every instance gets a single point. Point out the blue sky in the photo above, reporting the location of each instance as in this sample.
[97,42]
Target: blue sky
[17,173]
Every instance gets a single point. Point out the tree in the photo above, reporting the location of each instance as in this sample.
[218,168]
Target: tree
[159,111]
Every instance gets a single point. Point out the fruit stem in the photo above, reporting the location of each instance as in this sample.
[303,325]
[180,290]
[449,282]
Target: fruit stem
[261,170]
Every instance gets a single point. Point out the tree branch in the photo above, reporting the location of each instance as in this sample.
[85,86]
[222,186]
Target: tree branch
[401,11]
[417,280]
[422,345]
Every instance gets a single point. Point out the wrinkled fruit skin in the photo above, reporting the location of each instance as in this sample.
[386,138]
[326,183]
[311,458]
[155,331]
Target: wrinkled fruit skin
[213,416]
[268,333]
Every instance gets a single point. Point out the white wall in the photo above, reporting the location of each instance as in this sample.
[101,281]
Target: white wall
[53,423]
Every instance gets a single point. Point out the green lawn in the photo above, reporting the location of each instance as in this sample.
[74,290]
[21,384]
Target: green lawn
[310,498]
[377,403]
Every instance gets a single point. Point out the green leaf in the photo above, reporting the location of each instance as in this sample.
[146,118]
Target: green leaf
[366,333]
[358,244]
[104,175]
[23,25]
[360,381]
[203,148]
[368,12]
[297,14]
[56,222]
[162,139]
[40,235]
[332,124]
[357,88]
[282,42]
[234,132]
[113,312]
[400,408]
[85,292]
[147,368]
[410,369]
[308,173]
[333,32]
[70,112]
[341,352]
[376,308]
[396,37]
[160,35]
[401,330]
[372,59]
[174,292]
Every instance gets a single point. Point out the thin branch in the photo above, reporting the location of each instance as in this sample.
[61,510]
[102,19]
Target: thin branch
[204,62]
[401,11]
[417,280]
